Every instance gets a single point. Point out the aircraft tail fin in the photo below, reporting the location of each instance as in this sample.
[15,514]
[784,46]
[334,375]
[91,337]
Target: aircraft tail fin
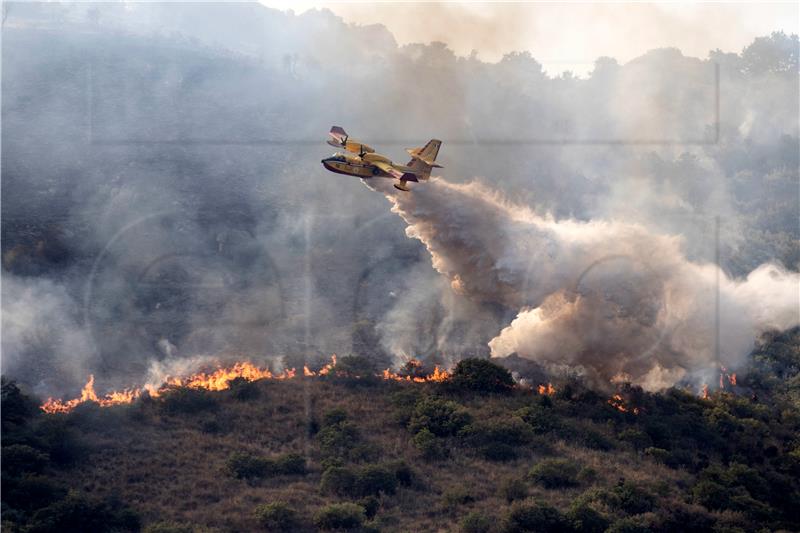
[424,159]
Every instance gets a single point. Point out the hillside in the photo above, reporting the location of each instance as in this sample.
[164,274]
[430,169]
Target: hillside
[471,453]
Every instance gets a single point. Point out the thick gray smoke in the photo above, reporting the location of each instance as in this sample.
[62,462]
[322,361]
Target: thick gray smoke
[163,201]
[611,298]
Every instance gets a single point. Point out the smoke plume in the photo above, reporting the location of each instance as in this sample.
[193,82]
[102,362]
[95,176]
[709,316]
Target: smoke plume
[612,299]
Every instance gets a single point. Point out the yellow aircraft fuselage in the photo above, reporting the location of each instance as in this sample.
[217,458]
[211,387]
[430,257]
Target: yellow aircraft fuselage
[361,167]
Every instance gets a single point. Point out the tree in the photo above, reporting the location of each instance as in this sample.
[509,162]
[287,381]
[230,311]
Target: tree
[481,375]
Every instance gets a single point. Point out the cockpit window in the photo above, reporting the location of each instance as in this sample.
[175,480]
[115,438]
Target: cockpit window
[338,157]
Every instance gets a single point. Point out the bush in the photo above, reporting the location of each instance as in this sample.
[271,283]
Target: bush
[636,438]
[247,466]
[338,480]
[481,375]
[30,492]
[514,489]
[243,389]
[340,516]
[60,441]
[631,524]
[375,479]
[585,519]
[632,499]
[15,407]
[498,451]
[456,497]
[538,517]
[371,505]
[511,431]
[289,464]
[476,522]
[185,400]
[540,419]
[353,369]
[403,473]
[555,473]
[659,455]
[19,458]
[276,516]
[441,417]
[339,440]
[430,445]
[76,513]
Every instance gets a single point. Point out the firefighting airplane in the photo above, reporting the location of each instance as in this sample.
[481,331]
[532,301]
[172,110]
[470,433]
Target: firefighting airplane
[362,161]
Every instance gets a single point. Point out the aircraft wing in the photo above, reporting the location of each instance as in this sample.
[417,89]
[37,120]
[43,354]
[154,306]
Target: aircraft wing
[338,136]
[340,139]
[394,172]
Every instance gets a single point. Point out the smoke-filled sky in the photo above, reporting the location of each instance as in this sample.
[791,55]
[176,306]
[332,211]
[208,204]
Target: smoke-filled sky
[569,36]
[163,200]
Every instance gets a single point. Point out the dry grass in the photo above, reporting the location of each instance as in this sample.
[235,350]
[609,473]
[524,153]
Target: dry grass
[168,467]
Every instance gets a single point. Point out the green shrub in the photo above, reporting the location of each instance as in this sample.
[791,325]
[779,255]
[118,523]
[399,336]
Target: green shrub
[632,498]
[512,431]
[339,440]
[277,516]
[185,400]
[60,441]
[30,492]
[339,516]
[498,451]
[371,505]
[77,513]
[440,417]
[375,479]
[243,389]
[538,517]
[15,407]
[430,445]
[476,522]
[455,497]
[354,369]
[585,519]
[659,455]
[540,419]
[248,466]
[636,438]
[338,480]
[631,524]
[481,375]
[289,464]
[595,440]
[555,473]
[514,489]
[404,473]
[19,458]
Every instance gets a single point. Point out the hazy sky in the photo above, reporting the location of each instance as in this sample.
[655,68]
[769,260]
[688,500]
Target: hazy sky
[569,36]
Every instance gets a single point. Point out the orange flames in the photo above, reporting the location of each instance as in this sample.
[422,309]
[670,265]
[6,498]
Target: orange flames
[618,403]
[218,380]
[547,390]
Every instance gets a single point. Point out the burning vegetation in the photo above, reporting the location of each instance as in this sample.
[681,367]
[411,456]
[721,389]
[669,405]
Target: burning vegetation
[221,379]
[344,446]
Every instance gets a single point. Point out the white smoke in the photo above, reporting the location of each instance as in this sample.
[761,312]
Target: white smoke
[610,298]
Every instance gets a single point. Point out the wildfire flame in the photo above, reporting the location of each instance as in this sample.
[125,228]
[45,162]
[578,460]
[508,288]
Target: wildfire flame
[618,402]
[217,380]
[547,390]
